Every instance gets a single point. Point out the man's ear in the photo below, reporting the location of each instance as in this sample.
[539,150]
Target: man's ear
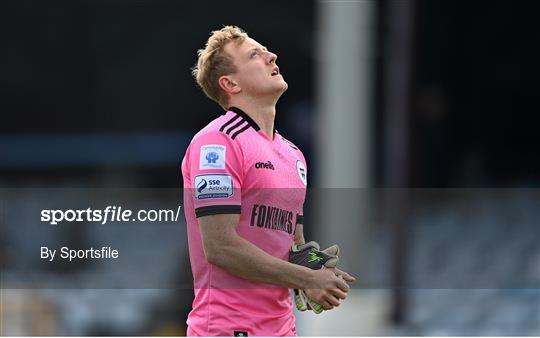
[228,85]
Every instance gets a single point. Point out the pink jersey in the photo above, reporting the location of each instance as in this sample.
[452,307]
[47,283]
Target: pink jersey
[230,167]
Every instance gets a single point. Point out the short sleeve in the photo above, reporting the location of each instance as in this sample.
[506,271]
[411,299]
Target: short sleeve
[215,168]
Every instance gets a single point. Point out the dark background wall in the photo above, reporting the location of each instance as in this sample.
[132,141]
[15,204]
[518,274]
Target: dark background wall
[474,100]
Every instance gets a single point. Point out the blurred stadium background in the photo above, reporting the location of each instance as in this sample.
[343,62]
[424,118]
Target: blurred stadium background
[431,97]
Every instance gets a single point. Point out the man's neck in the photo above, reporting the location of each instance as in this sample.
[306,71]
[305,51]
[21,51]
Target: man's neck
[263,114]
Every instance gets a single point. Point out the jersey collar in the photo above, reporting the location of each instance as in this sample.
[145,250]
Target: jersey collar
[248,119]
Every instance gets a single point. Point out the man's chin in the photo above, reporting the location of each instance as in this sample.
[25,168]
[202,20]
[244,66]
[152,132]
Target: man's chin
[284,87]
[277,91]
[282,90]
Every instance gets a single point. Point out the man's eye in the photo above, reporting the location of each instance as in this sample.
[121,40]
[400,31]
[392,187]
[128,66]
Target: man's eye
[254,53]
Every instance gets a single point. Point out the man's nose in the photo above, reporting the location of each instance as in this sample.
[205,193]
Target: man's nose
[271,57]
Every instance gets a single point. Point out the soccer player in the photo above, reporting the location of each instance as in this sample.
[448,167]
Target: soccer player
[245,187]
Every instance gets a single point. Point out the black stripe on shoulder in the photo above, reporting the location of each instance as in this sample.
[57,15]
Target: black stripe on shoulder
[217,210]
[236,125]
[241,130]
[229,122]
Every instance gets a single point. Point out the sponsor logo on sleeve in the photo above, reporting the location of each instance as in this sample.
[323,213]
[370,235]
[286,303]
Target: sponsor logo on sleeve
[301,168]
[212,157]
[213,186]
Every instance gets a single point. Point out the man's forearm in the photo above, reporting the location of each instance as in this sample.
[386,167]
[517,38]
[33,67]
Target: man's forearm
[240,257]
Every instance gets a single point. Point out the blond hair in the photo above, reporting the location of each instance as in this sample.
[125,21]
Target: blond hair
[214,62]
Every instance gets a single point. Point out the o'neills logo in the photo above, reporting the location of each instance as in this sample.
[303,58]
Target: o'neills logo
[269,217]
[264,165]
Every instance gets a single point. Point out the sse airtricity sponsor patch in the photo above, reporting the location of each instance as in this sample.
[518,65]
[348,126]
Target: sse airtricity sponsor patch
[213,186]
[212,157]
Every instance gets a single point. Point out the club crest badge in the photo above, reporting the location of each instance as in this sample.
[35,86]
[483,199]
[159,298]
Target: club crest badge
[301,168]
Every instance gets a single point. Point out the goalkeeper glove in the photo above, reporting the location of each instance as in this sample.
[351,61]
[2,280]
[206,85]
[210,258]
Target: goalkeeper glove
[309,255]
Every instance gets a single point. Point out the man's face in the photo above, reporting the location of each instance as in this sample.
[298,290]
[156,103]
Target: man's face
[257,73]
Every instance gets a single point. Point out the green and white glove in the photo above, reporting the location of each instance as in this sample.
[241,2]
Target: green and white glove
[311,256]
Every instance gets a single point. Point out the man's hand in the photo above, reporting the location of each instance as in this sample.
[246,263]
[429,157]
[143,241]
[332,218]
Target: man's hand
[330,291]
[348,278]
[328,299]
[328,286]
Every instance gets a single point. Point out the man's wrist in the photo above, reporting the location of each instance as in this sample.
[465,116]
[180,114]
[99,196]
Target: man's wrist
[306,277]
